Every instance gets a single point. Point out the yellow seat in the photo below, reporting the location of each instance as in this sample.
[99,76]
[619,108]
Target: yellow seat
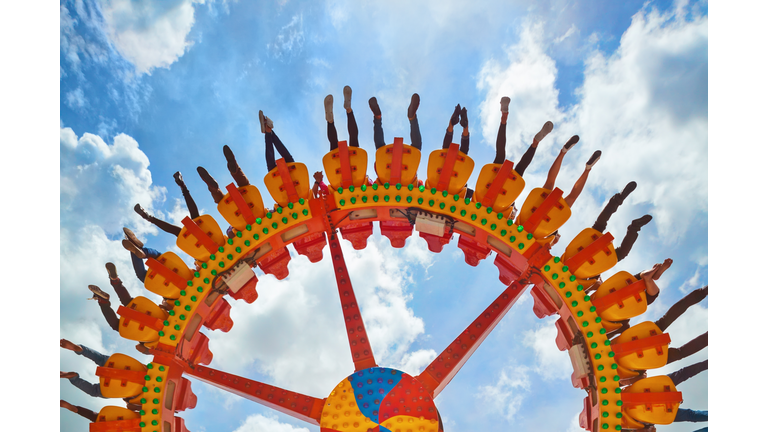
[498,185]
[346,166]
[229,206]
[651,400]
[116,419]
[590,253]
[386,166]
[458,169]
[554,213]
[642,346]
[141,320]
[121,376]
[200,238]
[167,275]
[620,297]
[289,191]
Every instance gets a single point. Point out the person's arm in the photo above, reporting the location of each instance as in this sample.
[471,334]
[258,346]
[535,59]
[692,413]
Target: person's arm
[318,179]
[629,381]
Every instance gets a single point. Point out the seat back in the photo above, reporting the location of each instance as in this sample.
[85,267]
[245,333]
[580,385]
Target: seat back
[397,163]
[167,275]
[498,185]
[590,253]
[121,376]
[141,320]
[112,418]
[449,170]
[288,182]
[620,297]
[651,400]
[543,212]
[200,237]
[642,346]
[241,206]
[345,166]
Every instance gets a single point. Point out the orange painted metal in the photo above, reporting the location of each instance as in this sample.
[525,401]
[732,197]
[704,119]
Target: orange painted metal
[586,254]
[632,290]
[285,176]
[346,171]
[397,161]
[551,201]
[627,348]
[498,184]
[167,273]
[140,317]
[242,206]
[200,235]
[447,170]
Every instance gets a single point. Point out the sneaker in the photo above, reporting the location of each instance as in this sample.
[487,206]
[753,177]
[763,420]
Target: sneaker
[111,269]
[374,104]
[595,157]
[132,237]
[268,123]
[415,99]
[545,130]
[628,189]
[141,212]
[177,178]
[261,121]
[213,187]
[132,248]
[505,105]
[328,108]
[642,221]
[229,156]
[97,292]
[572,142]
[348,98]
[455,115]
[464,122]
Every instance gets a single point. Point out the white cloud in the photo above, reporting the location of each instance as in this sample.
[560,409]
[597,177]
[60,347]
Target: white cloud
[506,396]
[76,99]
[260,423]
[150,34]
[551,363]
[414,363]
[290,40]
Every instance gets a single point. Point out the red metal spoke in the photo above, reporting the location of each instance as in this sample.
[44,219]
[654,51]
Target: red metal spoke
[442,370]
[302,407]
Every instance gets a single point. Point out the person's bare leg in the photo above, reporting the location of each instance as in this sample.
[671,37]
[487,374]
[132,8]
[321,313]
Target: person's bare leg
[662,268]
[555,168]
[70,346]
[579,185]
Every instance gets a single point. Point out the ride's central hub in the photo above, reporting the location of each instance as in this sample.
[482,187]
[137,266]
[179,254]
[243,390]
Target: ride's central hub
[380,399]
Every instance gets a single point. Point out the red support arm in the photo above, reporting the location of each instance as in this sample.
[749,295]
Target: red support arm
[442,370]
[302,407]
[245,209]
[397,161]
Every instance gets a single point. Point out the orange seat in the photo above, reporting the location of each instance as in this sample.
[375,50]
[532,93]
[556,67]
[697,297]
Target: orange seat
[650,400]
[288,182]
[200,238]
[449,170]
[121,376]
[553,212]
[116,419]
[167,275]
[397,163]
[642,346]
[590,253]
[620,297]
[141,320]
[346,166]
[241,206]
[498,185]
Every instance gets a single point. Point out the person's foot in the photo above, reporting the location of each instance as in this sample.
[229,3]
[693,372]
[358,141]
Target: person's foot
[229,156]
[328,102]
[112,270]
[545,130]
[374,104]
[261,121]
[628,190]
[130,247]
[464,122]
[70,346]
[97,292]
[455,115]
[592,160]
[505,104]
[648,274]
[265,122]
[415,99]
[641,221]
[347,98]
[132,237]
[177,178]
[67,375]
[662,268]
[141,212]
[570,143]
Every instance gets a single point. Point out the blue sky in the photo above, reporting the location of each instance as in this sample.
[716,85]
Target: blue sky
[148,90]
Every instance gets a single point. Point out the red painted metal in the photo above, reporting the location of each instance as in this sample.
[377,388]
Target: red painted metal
[120,374]
[473,251]
[242,206]
[435,243]
[248,292]
[302,407]
[564,338]
[397,161]
[133,425]
[447,169]
[276,263]
[200,235]
[346,169]
[218,318]
[140,317]
[397,231]
[497,184]
[442,370]
[285,175]
[652,398]
[586,254]
[508,272]
[311,246]
[632,290]
[357,233]
[638,345]
[543,306]
[168,274]
[540,213]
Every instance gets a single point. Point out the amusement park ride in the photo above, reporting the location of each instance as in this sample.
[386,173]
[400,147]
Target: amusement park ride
[373,397]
